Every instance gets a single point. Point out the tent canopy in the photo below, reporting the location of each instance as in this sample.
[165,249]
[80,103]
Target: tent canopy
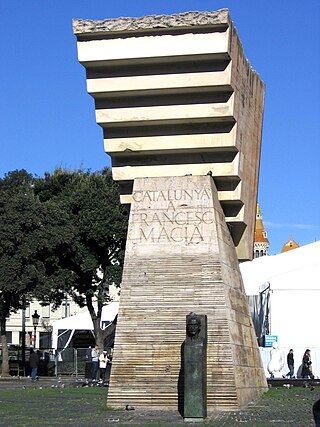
[293,270]
[82,321]
[288,308]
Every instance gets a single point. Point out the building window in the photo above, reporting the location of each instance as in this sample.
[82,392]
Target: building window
[45,340]
[27,310]
[46,311]
[28,338]
[9,337]
[65,309]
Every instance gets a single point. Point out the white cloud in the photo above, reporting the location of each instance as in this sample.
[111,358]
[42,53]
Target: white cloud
[269,224]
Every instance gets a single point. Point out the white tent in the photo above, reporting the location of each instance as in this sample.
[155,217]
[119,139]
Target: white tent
[295,269]
[82,321]
[293,279]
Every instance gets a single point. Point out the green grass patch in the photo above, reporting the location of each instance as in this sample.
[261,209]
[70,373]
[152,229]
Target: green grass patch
[49,406]
[107,408]
[52,392]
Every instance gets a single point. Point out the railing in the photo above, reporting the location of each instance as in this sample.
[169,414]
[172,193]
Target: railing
[68,361]
[72,361]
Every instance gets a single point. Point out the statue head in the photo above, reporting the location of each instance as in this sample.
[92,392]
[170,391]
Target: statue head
[193,325]
[274,345]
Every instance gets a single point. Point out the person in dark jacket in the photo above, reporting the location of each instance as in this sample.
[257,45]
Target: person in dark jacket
[306,365]
[290,363]
[316,412]
[34,364]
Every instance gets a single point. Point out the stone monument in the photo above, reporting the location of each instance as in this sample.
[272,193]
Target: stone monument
[181,111]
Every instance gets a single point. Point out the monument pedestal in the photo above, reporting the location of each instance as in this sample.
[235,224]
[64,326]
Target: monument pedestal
[180,258]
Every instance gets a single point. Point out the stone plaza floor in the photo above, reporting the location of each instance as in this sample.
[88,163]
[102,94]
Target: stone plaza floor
[70,402]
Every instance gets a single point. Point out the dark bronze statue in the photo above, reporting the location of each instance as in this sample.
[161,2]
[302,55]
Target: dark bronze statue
[195,367]
[193,326]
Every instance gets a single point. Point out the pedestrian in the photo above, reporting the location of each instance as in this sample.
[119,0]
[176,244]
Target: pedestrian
[290,363]
[306,365]
[34,364]
[316,412]
[103,362]
[95,361]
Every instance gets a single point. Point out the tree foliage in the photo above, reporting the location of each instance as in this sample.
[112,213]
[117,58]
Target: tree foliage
[22,231]
[61,233]
[93,259]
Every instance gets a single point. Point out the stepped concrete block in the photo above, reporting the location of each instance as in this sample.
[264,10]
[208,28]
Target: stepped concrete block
[175,95]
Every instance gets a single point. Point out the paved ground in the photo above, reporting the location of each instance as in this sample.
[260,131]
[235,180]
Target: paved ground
[71,402]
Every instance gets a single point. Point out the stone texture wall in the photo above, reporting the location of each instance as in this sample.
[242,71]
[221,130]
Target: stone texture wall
[180,258]
[83,27]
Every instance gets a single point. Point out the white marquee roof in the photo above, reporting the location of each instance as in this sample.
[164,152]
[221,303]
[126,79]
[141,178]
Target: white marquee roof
[83,320]
[295,269]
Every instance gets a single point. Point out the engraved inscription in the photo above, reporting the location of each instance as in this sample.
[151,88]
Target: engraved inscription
[174,220]
[176,234]
[186,217]
[171,195]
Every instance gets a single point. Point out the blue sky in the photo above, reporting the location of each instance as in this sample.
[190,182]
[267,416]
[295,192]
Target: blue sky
[47,118]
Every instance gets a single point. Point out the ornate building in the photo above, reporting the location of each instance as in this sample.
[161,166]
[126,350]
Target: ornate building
[289,245]
[261,242]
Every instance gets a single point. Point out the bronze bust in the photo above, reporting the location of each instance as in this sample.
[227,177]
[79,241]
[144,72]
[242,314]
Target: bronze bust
[193,326]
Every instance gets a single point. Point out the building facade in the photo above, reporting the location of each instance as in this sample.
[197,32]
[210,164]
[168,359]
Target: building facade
[40,336]
[289,245]
[261,242]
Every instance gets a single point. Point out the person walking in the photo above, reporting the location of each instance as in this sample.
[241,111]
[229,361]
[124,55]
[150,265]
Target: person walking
[34,362]
[95,361]
[290,363]
[306,365]
[103,362]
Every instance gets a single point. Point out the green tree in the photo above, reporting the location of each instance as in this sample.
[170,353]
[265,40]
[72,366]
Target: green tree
[16,222]
[63,233]
[93,259]
[33,235]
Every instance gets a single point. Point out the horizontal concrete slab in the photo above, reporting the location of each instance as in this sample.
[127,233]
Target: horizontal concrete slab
[218,169]
[171,143]
[153,46]
[122,85]
[117,116]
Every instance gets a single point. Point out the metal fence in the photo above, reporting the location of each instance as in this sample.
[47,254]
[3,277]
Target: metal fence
[64,361]
[72,361]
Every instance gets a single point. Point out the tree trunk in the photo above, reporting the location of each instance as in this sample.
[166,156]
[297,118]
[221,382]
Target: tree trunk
[99,334]
[96,322]
[5,353]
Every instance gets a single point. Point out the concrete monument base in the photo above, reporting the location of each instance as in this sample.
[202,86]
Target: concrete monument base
[179,259]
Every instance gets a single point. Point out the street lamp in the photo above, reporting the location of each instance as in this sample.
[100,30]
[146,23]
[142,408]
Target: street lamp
[35,321]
